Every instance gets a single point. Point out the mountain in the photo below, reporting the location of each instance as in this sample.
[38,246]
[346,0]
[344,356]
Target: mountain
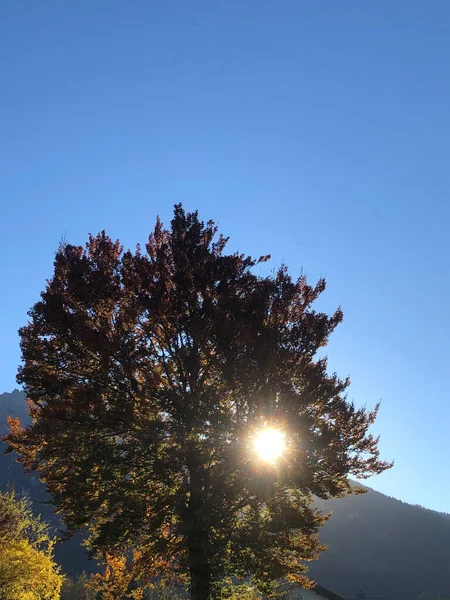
[386,546]
[389,548]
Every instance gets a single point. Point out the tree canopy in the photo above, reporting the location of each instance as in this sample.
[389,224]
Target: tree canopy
[150,373]
[79,589]
[27,569]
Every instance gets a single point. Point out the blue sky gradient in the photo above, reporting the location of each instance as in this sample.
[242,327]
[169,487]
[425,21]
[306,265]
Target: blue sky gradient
[317,131]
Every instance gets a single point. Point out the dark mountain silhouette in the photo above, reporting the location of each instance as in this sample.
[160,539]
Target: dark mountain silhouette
[377,543]
[386,546]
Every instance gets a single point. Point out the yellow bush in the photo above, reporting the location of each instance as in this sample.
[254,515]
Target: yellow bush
[27,568]
[27,573]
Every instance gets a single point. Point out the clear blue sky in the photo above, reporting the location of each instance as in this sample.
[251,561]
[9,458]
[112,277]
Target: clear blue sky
[316,131]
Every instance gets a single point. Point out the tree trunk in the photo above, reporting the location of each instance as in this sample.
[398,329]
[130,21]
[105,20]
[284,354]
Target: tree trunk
[200,573]
[198,536]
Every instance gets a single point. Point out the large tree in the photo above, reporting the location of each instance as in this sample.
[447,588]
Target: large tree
[150,376]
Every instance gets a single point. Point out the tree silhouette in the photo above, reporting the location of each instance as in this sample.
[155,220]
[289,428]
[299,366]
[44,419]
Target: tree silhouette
[149,375]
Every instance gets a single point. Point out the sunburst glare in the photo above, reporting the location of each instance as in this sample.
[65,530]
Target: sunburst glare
[269,444]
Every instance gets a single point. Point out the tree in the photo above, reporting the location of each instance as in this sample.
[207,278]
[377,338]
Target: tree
[149,375]
[117,580]
[80,589]
[27,569]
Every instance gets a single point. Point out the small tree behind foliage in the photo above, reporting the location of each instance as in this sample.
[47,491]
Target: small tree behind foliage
[78,589]
[149,374]
[242,591]
[161,591]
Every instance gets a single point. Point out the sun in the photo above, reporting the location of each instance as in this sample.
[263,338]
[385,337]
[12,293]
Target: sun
[269,444]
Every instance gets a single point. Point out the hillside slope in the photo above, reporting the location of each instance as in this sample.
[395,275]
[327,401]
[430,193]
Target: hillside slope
[389,548]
